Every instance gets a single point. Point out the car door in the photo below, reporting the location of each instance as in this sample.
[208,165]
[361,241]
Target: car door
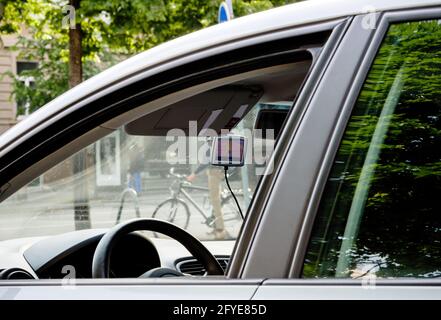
[72,128]
[370,223]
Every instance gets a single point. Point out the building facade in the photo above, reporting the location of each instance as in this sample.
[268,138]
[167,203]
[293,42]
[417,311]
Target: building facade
[8,62]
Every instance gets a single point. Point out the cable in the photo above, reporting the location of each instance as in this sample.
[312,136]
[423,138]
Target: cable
[232,193]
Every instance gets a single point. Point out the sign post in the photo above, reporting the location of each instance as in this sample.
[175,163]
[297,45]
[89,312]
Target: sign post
[225,11]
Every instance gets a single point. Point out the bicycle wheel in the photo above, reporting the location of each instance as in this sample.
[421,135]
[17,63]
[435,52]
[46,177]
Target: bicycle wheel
[174,211]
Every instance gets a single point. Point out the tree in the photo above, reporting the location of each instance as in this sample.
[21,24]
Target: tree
[75,49]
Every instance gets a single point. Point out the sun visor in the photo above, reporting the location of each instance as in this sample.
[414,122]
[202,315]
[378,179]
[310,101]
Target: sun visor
[220,108]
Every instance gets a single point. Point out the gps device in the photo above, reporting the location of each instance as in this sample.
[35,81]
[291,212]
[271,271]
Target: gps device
[228,151]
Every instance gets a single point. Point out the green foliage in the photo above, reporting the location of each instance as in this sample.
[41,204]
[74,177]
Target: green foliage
[112,30]
[399,227]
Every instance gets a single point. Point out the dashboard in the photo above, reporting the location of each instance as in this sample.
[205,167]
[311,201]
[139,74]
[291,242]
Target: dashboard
[71,254]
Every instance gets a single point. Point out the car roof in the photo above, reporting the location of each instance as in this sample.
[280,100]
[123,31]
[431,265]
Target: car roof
[293,15]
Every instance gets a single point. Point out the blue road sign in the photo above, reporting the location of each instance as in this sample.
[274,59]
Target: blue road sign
[224,14]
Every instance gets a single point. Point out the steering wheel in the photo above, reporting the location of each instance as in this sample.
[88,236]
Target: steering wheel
[101,258]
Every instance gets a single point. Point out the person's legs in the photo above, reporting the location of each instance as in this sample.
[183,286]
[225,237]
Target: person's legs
[214,181]
[137,182]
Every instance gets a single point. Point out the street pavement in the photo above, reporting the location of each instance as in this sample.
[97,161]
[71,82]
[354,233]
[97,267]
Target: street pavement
[49,212]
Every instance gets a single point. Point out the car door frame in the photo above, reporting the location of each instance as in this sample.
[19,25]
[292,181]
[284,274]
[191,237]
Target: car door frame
[295,287]
[282,213]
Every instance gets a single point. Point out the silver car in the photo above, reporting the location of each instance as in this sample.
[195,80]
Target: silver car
[345,98]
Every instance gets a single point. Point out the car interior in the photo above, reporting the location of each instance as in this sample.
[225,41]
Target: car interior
[125,250]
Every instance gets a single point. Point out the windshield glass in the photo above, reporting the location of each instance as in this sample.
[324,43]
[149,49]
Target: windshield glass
[124,176]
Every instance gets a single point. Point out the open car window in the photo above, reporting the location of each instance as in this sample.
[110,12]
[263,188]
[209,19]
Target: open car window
[158,165]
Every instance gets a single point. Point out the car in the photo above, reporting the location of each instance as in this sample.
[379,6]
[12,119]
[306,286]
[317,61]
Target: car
[346,205]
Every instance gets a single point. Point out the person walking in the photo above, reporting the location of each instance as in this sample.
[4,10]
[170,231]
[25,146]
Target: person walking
[215,175]
[136,165]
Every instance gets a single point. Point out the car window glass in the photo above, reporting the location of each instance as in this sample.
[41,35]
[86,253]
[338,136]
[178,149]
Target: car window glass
[380,214]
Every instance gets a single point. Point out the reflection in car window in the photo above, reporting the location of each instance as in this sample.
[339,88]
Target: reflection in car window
[380,214]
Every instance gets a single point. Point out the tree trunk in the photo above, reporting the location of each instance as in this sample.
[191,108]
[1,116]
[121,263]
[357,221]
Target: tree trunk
[75,51]
[81,197]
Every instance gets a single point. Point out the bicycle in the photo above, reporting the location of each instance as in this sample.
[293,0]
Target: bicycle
[176,210]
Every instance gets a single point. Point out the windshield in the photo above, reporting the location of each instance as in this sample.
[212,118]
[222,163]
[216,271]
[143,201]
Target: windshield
[124,176]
